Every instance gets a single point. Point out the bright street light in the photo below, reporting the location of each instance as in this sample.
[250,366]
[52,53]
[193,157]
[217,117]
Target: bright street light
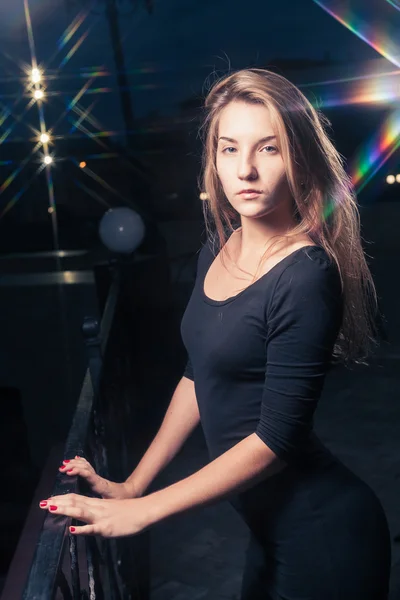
[390,179]
[44,138]
[48,160]
[38,94]
[36,76]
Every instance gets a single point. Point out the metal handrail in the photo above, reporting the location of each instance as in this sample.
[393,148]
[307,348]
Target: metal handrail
[45,571]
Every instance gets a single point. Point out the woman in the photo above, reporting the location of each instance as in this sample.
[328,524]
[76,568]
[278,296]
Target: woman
[284,295]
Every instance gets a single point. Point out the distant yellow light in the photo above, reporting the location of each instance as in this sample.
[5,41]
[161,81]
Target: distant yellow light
[38,94]
[82,164]
[44,138]
[398,177]
[50,210]
[203,196]
[48,160]
[390,179]
[36,76]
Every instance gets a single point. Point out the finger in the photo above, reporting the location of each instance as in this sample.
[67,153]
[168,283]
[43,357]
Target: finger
[73,459]
[69,499]
[59,504]
[81,513]
[67,468]
[81,459]
[76,468]
[84,530]
[73,470]
[83,473]
[68,463]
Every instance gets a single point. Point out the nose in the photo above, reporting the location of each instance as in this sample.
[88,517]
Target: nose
[247,169]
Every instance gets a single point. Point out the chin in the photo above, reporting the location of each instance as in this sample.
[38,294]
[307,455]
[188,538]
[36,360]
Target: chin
[254,209]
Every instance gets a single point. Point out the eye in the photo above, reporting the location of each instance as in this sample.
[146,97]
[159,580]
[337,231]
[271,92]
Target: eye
[228,148]
[271,149]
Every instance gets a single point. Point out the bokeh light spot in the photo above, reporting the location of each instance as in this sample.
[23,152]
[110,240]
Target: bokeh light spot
[36,76]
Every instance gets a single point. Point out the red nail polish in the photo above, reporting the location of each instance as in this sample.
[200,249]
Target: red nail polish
[69,471]
[72,529]
[53,507]
[62,466]
[43,503]
[66,461]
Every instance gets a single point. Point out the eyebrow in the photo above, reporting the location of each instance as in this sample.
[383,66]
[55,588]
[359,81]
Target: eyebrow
[268,138]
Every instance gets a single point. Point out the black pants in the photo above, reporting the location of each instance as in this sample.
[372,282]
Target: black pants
[319,538]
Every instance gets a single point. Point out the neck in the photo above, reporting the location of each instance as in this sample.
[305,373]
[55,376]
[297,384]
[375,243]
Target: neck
[257,234]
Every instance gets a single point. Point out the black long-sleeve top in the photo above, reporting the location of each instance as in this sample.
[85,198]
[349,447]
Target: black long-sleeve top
[259,359]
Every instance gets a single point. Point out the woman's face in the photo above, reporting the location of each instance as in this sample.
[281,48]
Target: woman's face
[249,157]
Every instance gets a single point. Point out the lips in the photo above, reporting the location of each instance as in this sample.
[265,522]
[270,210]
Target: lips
[250,192]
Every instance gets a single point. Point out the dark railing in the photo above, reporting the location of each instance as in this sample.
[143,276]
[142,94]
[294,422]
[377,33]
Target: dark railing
[69,567]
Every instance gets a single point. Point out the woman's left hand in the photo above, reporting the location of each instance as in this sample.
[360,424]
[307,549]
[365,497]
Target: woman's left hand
[108,518]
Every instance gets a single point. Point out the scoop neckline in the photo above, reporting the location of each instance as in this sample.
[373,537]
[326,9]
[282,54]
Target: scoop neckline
[213,302]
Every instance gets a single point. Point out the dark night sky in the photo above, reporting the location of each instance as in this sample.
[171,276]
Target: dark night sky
[183,41]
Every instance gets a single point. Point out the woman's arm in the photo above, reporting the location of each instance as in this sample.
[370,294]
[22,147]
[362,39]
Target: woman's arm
[241,467]
[181,418]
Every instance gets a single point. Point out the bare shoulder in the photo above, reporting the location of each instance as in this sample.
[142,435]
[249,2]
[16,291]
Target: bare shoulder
[297,243]
[289,247]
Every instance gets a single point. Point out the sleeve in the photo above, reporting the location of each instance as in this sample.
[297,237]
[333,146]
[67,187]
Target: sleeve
[303,321]
[188,372]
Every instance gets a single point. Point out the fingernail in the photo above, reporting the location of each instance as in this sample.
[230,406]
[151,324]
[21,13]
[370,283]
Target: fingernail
[53,507]
[43,503]
[66,461]
[69,471]
[62,467]
[72,529]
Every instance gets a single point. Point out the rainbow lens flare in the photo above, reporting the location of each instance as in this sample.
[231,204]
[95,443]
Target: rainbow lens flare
[379,29]
[376,152]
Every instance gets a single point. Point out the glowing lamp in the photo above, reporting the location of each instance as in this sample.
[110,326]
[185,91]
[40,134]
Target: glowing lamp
[38,94]
[47,160]
[36,76]
[390,179]
[44,138]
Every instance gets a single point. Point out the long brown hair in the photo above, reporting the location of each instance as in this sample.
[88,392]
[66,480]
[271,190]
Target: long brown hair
[325,205]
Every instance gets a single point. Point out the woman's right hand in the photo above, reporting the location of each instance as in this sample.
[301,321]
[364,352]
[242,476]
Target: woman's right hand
[103,487]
